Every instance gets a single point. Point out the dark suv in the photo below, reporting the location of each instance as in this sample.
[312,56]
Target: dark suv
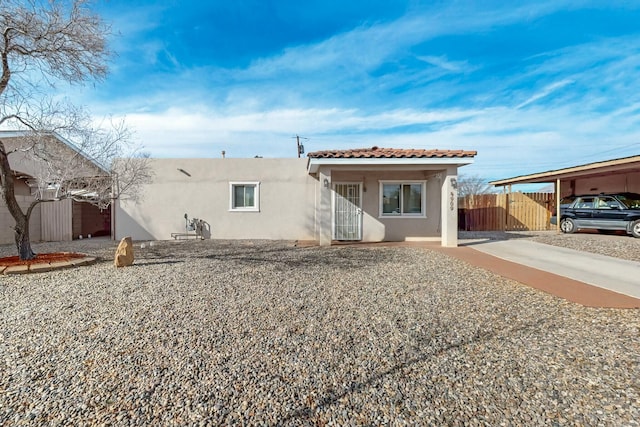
[602,212]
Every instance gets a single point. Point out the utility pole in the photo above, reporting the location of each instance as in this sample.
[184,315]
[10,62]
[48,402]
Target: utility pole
[300,146]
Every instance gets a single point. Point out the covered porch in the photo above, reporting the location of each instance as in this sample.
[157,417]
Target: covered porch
[381,194]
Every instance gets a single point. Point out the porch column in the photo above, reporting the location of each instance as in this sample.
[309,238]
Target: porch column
[324,208]
[449,206]
[558,198]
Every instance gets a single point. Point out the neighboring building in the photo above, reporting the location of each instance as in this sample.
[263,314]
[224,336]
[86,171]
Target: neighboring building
[50,221]
[370,195]
[607,176]
[24,199]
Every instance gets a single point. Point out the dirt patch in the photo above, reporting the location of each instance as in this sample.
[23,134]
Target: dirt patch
[49,258]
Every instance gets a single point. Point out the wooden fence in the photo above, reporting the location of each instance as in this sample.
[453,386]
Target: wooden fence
[506,212]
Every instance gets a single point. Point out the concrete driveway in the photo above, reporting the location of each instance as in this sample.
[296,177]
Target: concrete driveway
[606,272]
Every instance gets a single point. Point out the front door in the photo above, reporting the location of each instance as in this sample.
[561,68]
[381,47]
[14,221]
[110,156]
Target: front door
[347,212]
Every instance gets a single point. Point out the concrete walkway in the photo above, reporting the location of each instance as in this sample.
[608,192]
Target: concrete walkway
[585,278]
[615,274]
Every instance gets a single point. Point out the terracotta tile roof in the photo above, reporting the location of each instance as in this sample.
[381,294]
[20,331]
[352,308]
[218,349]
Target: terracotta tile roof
[389,153]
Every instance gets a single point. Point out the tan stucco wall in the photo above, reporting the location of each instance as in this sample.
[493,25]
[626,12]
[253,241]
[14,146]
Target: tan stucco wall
[613,183]
[609,184]
[293,204]
[377,228]
[286,200]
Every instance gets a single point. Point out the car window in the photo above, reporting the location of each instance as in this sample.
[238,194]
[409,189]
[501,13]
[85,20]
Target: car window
[585,203]
[630,202]
[608,203]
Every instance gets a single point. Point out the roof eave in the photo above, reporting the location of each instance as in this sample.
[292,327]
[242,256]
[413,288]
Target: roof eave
[551,176]
[71,145]
[314,163]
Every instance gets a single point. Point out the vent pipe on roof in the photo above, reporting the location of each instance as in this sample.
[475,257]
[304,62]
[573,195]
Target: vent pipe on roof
[223,153]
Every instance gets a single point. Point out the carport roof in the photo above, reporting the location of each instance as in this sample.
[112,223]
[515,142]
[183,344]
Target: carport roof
[388,156]
[606,167]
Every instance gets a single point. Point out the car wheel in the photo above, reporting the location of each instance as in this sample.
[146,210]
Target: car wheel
[635,228]
[567,225]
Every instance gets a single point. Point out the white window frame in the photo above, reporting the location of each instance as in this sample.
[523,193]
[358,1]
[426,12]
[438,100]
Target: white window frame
[256,196]
[423,199]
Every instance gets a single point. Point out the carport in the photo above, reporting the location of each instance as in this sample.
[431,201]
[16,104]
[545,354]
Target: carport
[609,176]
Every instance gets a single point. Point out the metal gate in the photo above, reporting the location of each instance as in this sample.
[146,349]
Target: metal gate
[347,212]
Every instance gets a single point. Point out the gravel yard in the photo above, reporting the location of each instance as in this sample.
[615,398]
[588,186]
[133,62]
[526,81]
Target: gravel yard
[265,333]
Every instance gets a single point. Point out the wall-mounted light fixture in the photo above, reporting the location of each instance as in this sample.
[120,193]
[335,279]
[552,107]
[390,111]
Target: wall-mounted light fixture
[454,183]
[326,183]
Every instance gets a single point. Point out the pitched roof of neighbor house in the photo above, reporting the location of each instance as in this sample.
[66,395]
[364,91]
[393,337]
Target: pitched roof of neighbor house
[375,157]
[389,153]
[59,138]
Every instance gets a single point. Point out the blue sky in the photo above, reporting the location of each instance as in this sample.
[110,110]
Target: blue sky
[532,86]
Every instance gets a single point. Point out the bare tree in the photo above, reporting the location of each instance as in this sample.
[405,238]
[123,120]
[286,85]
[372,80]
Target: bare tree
[473,185]
[44,43]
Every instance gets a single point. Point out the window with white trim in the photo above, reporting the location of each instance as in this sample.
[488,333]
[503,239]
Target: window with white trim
[244,196]
[403,198]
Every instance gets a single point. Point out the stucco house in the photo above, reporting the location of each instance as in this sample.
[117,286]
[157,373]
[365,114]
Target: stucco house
[50,221]
[369,195]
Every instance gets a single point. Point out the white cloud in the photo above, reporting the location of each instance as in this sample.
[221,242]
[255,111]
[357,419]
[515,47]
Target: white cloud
[446,64]
[559,108]
[546,91]
[207,126]
[366,47]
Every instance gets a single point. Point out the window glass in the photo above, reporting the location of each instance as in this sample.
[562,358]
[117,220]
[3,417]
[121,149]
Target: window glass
[608,203]
[566,201]
[585,203]
[412,199]
[391,199]
[402,198]
[244,196]
[632,202]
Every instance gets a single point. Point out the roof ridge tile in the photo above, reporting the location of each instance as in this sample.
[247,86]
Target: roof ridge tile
[390,153]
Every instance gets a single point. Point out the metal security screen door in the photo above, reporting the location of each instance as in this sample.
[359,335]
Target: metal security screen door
[347,212]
